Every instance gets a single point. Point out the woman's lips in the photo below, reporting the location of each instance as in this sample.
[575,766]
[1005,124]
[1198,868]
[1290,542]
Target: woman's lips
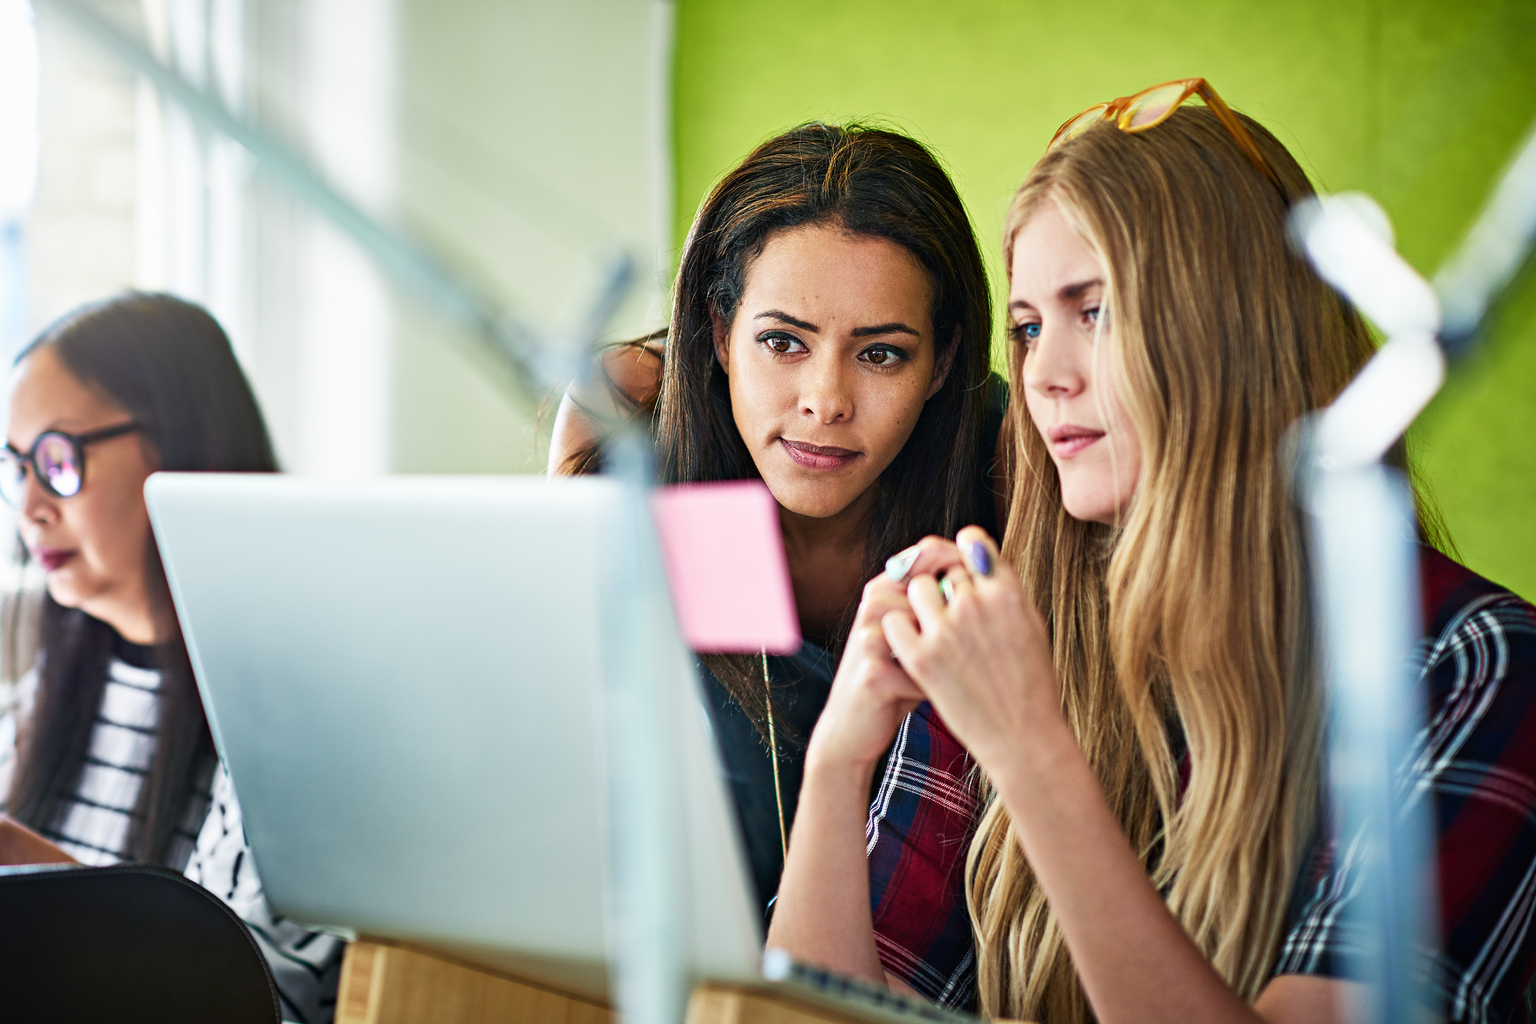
[52,558]
[1067,440]
[813,456]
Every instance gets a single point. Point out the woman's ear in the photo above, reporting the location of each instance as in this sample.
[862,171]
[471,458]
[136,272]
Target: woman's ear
[945,361]
[722,331]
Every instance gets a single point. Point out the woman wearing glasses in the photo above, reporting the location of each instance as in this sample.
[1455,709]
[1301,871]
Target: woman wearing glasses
[1133,672]
[108,756]
[830,336]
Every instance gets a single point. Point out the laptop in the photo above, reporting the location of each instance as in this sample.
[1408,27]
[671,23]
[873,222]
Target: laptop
[405,677]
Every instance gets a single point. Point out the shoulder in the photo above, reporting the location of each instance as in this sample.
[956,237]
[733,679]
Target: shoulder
[1450,592]
[630,385]
[634,368]
[1475,757]
[1479,673]
[1479,648]
[631,378]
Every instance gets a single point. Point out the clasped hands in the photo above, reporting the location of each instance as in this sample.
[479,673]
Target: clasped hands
[948,622]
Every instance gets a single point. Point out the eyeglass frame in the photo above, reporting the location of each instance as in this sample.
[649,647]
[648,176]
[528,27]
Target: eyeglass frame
[77,443]
[1117,110]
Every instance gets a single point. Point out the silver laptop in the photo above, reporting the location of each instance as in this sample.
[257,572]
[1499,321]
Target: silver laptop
[404,677]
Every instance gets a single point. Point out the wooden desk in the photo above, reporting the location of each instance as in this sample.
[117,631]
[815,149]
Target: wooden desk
[732,1004]
[384,982]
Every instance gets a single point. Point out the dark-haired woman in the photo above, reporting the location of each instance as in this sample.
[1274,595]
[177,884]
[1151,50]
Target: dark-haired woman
[109,757]
[830,336]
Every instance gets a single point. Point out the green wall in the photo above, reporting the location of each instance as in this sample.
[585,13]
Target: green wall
[1418,102]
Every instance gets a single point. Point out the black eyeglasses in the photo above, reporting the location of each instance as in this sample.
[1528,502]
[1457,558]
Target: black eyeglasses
[57,460]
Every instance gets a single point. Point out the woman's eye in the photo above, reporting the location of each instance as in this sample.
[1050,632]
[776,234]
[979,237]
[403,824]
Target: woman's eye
[782,344]
[882,355]
[1026,334]
[1091,314]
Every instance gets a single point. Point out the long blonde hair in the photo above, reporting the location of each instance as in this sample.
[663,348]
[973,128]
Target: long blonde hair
[1191,613]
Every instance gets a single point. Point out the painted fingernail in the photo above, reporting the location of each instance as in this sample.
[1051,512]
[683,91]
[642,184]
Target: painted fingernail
[899,564]
[947,589]
[979,557]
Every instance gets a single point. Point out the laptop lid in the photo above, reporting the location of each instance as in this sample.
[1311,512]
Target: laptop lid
[404,677]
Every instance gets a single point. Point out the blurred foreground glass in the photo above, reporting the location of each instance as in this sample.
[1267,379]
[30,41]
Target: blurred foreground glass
[57,459]
[1151,107]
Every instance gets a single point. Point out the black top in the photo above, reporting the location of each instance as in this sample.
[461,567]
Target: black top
[137,655]
[801,684]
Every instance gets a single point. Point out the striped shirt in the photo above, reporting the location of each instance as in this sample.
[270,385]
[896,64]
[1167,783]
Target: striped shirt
[306,965]
[92,827]
[92,823]
[1476,758]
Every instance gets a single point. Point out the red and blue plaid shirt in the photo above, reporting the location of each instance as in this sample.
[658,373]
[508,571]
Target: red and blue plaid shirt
[1477,754]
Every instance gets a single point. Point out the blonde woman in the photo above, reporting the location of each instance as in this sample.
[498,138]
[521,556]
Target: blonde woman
[1132,673]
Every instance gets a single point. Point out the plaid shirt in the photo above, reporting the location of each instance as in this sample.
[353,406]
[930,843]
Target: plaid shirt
[919,830]
[1478,757]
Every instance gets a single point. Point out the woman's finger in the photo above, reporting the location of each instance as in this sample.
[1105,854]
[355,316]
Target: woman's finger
[881,594]
[927,603]
[901,633]
[957,585]
[978,551]
[931,555]
[899,686]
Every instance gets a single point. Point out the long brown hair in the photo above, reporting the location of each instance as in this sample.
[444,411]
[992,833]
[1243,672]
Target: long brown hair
[1190,615]
[169,365]
[871,181]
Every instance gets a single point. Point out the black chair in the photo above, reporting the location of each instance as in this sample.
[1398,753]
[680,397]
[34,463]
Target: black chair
[127,944]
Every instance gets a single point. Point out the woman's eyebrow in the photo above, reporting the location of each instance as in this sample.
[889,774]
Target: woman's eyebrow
[1066,293]
[1074,291]
[784,318]
[895,327]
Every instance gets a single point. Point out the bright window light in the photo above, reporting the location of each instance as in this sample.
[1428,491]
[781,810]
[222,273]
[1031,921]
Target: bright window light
[18,107]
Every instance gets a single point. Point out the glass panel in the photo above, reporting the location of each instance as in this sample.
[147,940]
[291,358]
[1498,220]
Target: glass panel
[56,461]
[1152,106]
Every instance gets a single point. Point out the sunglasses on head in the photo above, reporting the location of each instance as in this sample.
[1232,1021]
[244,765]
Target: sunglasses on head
[1151,107]
[57,460]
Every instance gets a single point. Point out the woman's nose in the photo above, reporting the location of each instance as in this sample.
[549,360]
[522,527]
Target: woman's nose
[1054,367]
[36,503]
[827,393]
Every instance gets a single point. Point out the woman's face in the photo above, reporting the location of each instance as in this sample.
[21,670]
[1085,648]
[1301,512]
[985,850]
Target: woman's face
[91,546]
[830,359]
[1053,308]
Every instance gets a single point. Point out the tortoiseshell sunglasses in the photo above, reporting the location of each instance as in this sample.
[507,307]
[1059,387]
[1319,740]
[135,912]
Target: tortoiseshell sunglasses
[1151,107]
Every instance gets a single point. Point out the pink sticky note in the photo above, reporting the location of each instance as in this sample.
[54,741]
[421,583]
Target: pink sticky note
[725,562]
